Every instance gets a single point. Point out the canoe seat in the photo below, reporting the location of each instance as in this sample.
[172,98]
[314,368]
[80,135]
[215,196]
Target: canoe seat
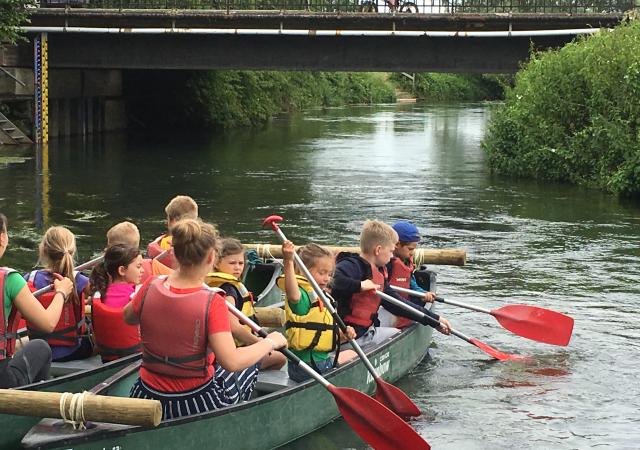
[273,380]
[59,369]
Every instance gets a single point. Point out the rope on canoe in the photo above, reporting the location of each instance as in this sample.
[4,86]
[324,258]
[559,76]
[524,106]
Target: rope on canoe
[76,409]
[264,251]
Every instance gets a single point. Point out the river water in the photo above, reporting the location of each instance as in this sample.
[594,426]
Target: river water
[562,247]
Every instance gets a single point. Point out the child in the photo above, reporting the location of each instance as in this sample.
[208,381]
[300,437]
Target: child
[227,277]
[112,284]
[357,278]
[31,363]
[400,270]
[185,328]
[57,250]
[180,207]
[311,331]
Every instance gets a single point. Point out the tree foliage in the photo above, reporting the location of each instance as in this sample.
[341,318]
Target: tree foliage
[574,115]
[13,13]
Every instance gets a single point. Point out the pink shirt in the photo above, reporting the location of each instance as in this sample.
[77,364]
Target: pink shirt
[118,294]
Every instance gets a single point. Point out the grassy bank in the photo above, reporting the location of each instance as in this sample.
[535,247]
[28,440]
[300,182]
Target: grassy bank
[574,115]
[439,87]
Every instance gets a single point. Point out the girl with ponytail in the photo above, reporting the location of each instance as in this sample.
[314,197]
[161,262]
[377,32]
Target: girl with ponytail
[57,252]
[184,325]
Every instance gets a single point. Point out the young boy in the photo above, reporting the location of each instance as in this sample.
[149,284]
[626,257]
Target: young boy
[125,233]
[400,270]
[356,279]
[180,207]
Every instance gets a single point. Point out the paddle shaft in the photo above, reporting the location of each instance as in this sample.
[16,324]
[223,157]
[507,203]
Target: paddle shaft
[79,268]
[419,314]
[328,305]
[285,351]
[442,300]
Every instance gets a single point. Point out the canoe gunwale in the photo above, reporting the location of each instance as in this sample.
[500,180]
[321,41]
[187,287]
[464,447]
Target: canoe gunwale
[112,431]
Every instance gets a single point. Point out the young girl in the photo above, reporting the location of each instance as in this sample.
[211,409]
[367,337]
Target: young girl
[116,277]
[57,251]
[31,363]
[313,343]
[181,320]
[227,277]
[112,283]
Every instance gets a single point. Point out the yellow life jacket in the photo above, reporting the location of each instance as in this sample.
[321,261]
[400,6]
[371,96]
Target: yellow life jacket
[315,330]
[217,279]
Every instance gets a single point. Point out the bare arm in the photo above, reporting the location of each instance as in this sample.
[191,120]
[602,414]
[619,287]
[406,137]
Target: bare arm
[234,359]
[130,316]
[290,283]
[43,319]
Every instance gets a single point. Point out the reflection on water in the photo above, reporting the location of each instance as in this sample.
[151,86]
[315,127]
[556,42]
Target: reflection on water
[556,246]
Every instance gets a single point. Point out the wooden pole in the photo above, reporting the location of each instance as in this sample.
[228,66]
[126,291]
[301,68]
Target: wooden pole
[95,408]
[444,256]
[270,316]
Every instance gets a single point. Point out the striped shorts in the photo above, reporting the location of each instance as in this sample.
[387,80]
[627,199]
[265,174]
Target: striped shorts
[224,389]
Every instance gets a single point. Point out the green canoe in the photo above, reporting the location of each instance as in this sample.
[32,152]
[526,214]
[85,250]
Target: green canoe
[14,427]
[282,411]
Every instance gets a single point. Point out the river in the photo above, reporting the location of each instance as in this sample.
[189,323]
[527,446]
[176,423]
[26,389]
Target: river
[325,171]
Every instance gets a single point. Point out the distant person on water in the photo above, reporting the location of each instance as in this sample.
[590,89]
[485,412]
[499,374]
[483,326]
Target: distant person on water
[31,363]
[226,276]
[69,340]
[311,332]
[400,272]
[357,278]
[185,329]
[112,282]
[180,207]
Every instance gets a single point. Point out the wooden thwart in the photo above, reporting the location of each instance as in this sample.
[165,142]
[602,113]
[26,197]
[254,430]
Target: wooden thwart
[95,408]
[443,256]
[270,316]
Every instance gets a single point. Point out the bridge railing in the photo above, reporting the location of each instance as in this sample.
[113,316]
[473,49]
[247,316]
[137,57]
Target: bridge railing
[369,6]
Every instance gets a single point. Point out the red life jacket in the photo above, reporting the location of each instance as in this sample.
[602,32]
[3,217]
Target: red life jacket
[8,327]
[113,336]
[70,325]
[154,249]
[175,330]
[400,274]
[365,304]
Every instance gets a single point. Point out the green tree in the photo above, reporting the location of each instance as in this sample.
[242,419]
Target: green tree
[13,13]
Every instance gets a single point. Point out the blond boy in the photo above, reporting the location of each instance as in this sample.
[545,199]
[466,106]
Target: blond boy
[357,277]
[125,233]
[180,207]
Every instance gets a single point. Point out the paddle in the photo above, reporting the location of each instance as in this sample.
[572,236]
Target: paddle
[372,421]
[481,345]
[79,268]
[531,322]
[386,393]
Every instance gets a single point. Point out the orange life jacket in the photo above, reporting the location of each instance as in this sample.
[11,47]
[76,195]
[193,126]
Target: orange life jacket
[114,338]
[154,249]
[153,267]
[365,304]
[70,326]
[8,327]
[175,330]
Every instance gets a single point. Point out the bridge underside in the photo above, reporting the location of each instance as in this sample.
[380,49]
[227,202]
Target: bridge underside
[283,52]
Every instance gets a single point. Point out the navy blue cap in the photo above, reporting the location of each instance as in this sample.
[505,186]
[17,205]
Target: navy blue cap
[407,232]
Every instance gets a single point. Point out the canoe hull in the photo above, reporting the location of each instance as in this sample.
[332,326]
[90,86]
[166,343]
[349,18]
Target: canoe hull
[14,427]
[275,419]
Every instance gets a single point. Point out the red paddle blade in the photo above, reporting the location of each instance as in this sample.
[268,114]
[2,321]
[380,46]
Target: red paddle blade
[396,400]
[497,354]
[376,424]
[538,324]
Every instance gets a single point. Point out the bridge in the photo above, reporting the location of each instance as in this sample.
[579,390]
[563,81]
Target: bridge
[330,35]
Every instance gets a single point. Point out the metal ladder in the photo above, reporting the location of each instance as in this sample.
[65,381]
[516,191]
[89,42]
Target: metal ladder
[11,134]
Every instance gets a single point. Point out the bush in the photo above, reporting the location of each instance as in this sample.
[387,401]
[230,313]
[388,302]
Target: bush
[454,87]
[574,115]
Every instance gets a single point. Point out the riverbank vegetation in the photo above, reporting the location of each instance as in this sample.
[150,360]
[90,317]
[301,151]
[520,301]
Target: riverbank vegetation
[12,14]
[440,87]
[574,115]
[227,99]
